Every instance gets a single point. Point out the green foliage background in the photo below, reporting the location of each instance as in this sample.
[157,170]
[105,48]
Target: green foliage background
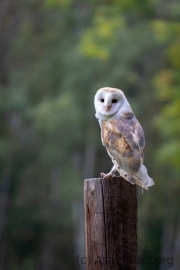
[55,54]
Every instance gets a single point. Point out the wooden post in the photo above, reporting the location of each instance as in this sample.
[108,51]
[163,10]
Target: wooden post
[111,224]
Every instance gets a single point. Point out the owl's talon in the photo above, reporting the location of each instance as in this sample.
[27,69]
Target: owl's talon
[108,175]
[102,175]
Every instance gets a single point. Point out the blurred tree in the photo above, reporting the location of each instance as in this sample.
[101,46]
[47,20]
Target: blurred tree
[167,84]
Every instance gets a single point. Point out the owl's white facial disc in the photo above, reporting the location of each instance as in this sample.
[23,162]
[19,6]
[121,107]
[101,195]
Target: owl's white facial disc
[108,103]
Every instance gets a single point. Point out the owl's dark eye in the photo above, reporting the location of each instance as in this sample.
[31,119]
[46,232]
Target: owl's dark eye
[114,100]
[102,99]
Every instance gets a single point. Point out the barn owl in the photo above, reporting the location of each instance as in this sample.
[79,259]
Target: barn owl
[122,135]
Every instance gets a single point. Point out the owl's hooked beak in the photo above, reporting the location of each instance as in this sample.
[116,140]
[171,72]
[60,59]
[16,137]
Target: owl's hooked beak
[108,108]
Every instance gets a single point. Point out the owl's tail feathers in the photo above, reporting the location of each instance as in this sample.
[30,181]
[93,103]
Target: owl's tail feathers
[132,179]
[143,177]
[140,178]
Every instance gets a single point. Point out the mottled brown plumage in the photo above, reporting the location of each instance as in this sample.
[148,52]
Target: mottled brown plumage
[117,137]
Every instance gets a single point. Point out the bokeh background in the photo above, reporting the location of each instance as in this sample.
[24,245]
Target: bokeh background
[54,55]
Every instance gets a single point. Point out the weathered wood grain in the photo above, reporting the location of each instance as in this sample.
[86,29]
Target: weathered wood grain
[111,224]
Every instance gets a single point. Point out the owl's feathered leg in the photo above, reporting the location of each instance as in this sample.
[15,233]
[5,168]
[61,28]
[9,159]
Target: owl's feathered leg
[111,174]
[122,173]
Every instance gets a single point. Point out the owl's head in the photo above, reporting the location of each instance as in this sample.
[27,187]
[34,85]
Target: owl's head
[108,101]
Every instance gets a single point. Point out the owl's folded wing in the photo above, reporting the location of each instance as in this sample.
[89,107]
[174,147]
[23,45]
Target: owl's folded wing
[124,141]
[130,129]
